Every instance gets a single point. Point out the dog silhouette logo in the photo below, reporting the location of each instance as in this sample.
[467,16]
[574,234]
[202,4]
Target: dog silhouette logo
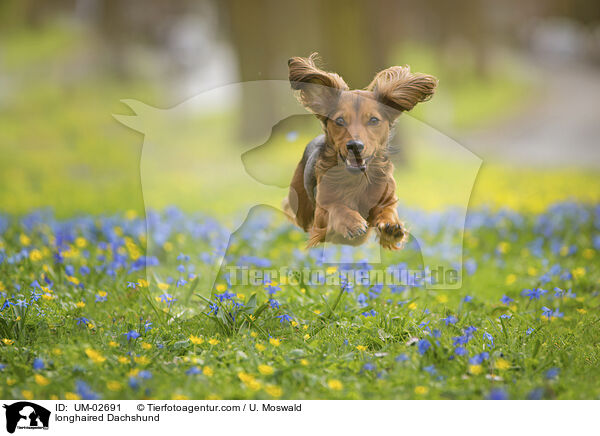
[26,415]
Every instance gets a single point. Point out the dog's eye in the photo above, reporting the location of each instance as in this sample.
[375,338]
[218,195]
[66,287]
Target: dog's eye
[340,121]
[373,121]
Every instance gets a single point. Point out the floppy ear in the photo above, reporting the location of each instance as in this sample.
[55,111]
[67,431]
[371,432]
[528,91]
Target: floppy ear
[318,89]
[401,90]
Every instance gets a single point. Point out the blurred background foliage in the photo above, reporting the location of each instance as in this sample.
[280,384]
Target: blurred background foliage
[519,87]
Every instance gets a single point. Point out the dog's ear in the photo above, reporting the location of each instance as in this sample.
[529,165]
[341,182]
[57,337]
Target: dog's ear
[401,90]
[318,89]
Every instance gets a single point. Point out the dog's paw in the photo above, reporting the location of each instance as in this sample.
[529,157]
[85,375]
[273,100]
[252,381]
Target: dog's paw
[392,235]
[394,230]
[355,230]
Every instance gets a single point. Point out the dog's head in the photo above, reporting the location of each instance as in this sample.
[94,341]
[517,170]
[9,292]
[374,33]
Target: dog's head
[358,122]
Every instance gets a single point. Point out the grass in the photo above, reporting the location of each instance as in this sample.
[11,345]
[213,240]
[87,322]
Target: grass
[84,320]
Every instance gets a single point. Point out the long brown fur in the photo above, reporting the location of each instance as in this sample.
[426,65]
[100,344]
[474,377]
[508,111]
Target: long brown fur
[349,202]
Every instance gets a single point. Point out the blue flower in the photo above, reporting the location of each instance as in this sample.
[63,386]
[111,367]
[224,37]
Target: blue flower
[401,358]
[552,373]
[489,338]
[147,326]
[84,391]
[546,312]
[460,351]
[529,331]
[274,304]
[498,394]
[479,358]
[82,320]
[506,300]
[145,374]
[423,345]
[38,364]
[506,316]
[132,285]
[131,334]
[451,319]
[467,299]
[181,282]
[533,294]
[284,318]
[430,369]
[369,367]
[193,371]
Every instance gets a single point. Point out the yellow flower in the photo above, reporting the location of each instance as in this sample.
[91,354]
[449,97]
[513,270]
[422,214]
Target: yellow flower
[294,324]
[331,269]
[421,390]
[241,296]
[582,311]
[305,327]
[10,381]
[133,373]
[502,364]
[143,283]
[475,369]
[249,381]
[317,312]
[73,280]
[72,396]
[24,239]
[94,356]
[80,304]
[146,346]
[196,340]
[114,386]
[123,359]
[443,298]
[163,286]
[102,293]
[253,334]
[167,246]
[412,306]
[303,362]
[306,337]
[179,397]
[81,242]
[532,271]
[41,380]
[274,391]
[28,395]
[274,342]
[361,348]
[213,341]
[260,347]
[35,255]
[588,253]
[578,272]
[503,247]
[564,250]
[7,341]
[510,279]
[207,371]
[113,344]
[265,369]
[142,360]
[221,287]
[335,385]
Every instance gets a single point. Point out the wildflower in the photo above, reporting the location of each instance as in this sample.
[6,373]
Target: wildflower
[488,337]
[142,360]
[475,369]
[274,391]
[546,312]
[274,342]
[41,380]
[533,294]
[146,345]
[131,334]
[113,344]
[423,345]
[467,299]
[80,304]
[274,304]
[193,371]
[122,359]
[27,394]
[401,358]
[303,362]
[265,369]
[83,320]
[94,356]
[132,285]
[451,319]
[502,364]
[147,326]
[361,348]
[506,300]
[510,279]
[38,364]
[529,331]
[498,394]
[284,318]
[101,296]
[479,358]
[114,386]
[442,298]
[196,340]
[306,337]
[181,282]
[72,396]
[552,373]
[335,385]
[213,341]
[460,351]
[369,367]
[430,369]
[506,316]
[207,371]
[421,390]
[260,347]
[84,391]
[412,306]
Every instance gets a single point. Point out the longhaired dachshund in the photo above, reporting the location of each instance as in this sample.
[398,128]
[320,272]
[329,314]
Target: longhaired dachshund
[344,186]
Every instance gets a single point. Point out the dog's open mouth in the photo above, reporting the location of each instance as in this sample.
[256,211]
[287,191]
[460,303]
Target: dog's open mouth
[355,162]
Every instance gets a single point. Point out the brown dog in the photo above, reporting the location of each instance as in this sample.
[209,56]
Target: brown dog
[344,184]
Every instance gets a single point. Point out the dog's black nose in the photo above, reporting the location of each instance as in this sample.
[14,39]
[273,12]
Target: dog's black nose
[355,146]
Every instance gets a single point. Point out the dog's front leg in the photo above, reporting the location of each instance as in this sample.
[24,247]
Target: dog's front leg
[346,222]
